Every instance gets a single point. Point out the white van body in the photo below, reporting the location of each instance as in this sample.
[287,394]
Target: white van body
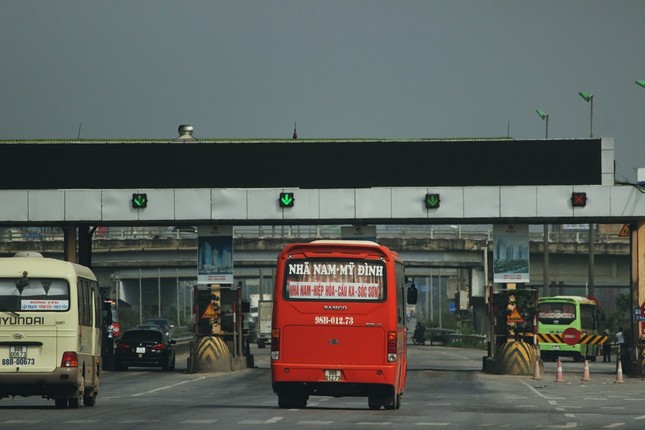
[50,330]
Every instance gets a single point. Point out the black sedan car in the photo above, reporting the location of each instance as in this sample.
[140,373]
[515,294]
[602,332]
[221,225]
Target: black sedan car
[164,323]
[144,348]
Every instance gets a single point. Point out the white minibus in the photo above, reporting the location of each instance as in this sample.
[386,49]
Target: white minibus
[50,330]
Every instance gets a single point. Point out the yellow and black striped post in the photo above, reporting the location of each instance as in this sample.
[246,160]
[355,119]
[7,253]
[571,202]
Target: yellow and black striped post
[516,358]
[211,354]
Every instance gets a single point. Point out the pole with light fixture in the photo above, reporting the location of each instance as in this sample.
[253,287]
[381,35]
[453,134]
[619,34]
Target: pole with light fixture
[589,99]
[545,117]
[545,275]
[592,236]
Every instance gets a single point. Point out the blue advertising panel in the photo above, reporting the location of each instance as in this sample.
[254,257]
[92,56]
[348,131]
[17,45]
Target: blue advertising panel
[215,254]
[511,253]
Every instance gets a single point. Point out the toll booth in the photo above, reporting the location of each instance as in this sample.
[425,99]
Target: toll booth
[217,328]
[513,349]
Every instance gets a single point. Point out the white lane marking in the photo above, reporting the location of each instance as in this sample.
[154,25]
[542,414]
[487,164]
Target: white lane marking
[365,423]
[167,387]
[273,420]
[433,424]
[614,425]
[198,421]
[569,425]
[315,423]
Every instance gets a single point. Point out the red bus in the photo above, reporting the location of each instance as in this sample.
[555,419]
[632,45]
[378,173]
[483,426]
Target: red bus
[338,325]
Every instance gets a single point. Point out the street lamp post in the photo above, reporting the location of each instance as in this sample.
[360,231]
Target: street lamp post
[592,237]
[545,275]
[589,99]
[545,117]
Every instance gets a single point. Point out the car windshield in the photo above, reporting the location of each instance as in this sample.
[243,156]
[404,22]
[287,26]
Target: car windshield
[142,336]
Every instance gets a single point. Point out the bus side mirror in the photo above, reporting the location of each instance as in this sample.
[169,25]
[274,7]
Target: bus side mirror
[413,293]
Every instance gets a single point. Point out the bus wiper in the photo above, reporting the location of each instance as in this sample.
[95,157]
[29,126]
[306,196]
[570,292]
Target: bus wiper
[15,314]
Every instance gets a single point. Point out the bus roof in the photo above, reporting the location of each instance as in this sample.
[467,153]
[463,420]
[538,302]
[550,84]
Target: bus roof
[578,299]
[37,265]
[366,245]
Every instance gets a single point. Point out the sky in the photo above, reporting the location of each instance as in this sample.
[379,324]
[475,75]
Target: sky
[340,69]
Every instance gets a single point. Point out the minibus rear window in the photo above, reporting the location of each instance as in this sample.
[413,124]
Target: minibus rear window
[34,295]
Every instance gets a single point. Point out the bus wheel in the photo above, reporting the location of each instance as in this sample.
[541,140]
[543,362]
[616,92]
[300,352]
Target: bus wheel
[292,401]
[74,402]
[374,402]
[61,403]
[90,400]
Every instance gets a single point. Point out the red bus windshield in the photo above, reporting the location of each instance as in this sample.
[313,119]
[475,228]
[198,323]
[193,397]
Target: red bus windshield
[334,279]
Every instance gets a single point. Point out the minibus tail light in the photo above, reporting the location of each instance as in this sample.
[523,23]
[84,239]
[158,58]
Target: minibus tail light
[275,344]
[391,346]
[70,359]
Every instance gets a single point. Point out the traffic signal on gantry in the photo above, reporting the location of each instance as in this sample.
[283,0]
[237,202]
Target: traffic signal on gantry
[432,201]
[139,200]
[578,200]
[286,200]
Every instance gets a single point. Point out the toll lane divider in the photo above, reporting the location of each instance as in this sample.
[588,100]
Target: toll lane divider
[211,354]
[516,358]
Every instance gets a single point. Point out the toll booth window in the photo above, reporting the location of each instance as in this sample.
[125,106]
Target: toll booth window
[557,313]
[346,280]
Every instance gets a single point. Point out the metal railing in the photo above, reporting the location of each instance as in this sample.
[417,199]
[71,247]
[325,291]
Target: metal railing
[466,232]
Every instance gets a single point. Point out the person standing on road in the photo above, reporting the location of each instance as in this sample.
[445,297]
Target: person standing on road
[620,343]
[606,348]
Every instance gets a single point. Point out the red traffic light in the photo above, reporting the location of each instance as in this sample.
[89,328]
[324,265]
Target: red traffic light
[578,200]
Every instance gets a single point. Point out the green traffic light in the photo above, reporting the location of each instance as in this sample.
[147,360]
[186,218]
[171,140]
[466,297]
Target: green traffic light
[542,114]
[139,200]
[286,200]
[432,201]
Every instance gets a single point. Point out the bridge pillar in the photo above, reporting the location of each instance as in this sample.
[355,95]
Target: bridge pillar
[70,243]
[78,244]
[638,292]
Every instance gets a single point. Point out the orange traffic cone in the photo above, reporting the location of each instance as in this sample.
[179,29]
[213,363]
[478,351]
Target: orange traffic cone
[536,370]
[558,373]
[585,372]
[619,373]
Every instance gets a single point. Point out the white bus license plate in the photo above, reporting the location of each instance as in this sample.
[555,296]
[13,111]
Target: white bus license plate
[332,375]
[17,351]
[141,349]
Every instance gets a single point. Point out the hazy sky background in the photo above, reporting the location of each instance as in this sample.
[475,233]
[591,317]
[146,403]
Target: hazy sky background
[341,69]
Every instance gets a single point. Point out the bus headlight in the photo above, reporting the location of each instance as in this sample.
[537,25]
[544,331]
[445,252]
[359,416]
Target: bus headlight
[391,358]
[275,355]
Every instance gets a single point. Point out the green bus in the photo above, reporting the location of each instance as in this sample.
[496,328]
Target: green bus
[556,314]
